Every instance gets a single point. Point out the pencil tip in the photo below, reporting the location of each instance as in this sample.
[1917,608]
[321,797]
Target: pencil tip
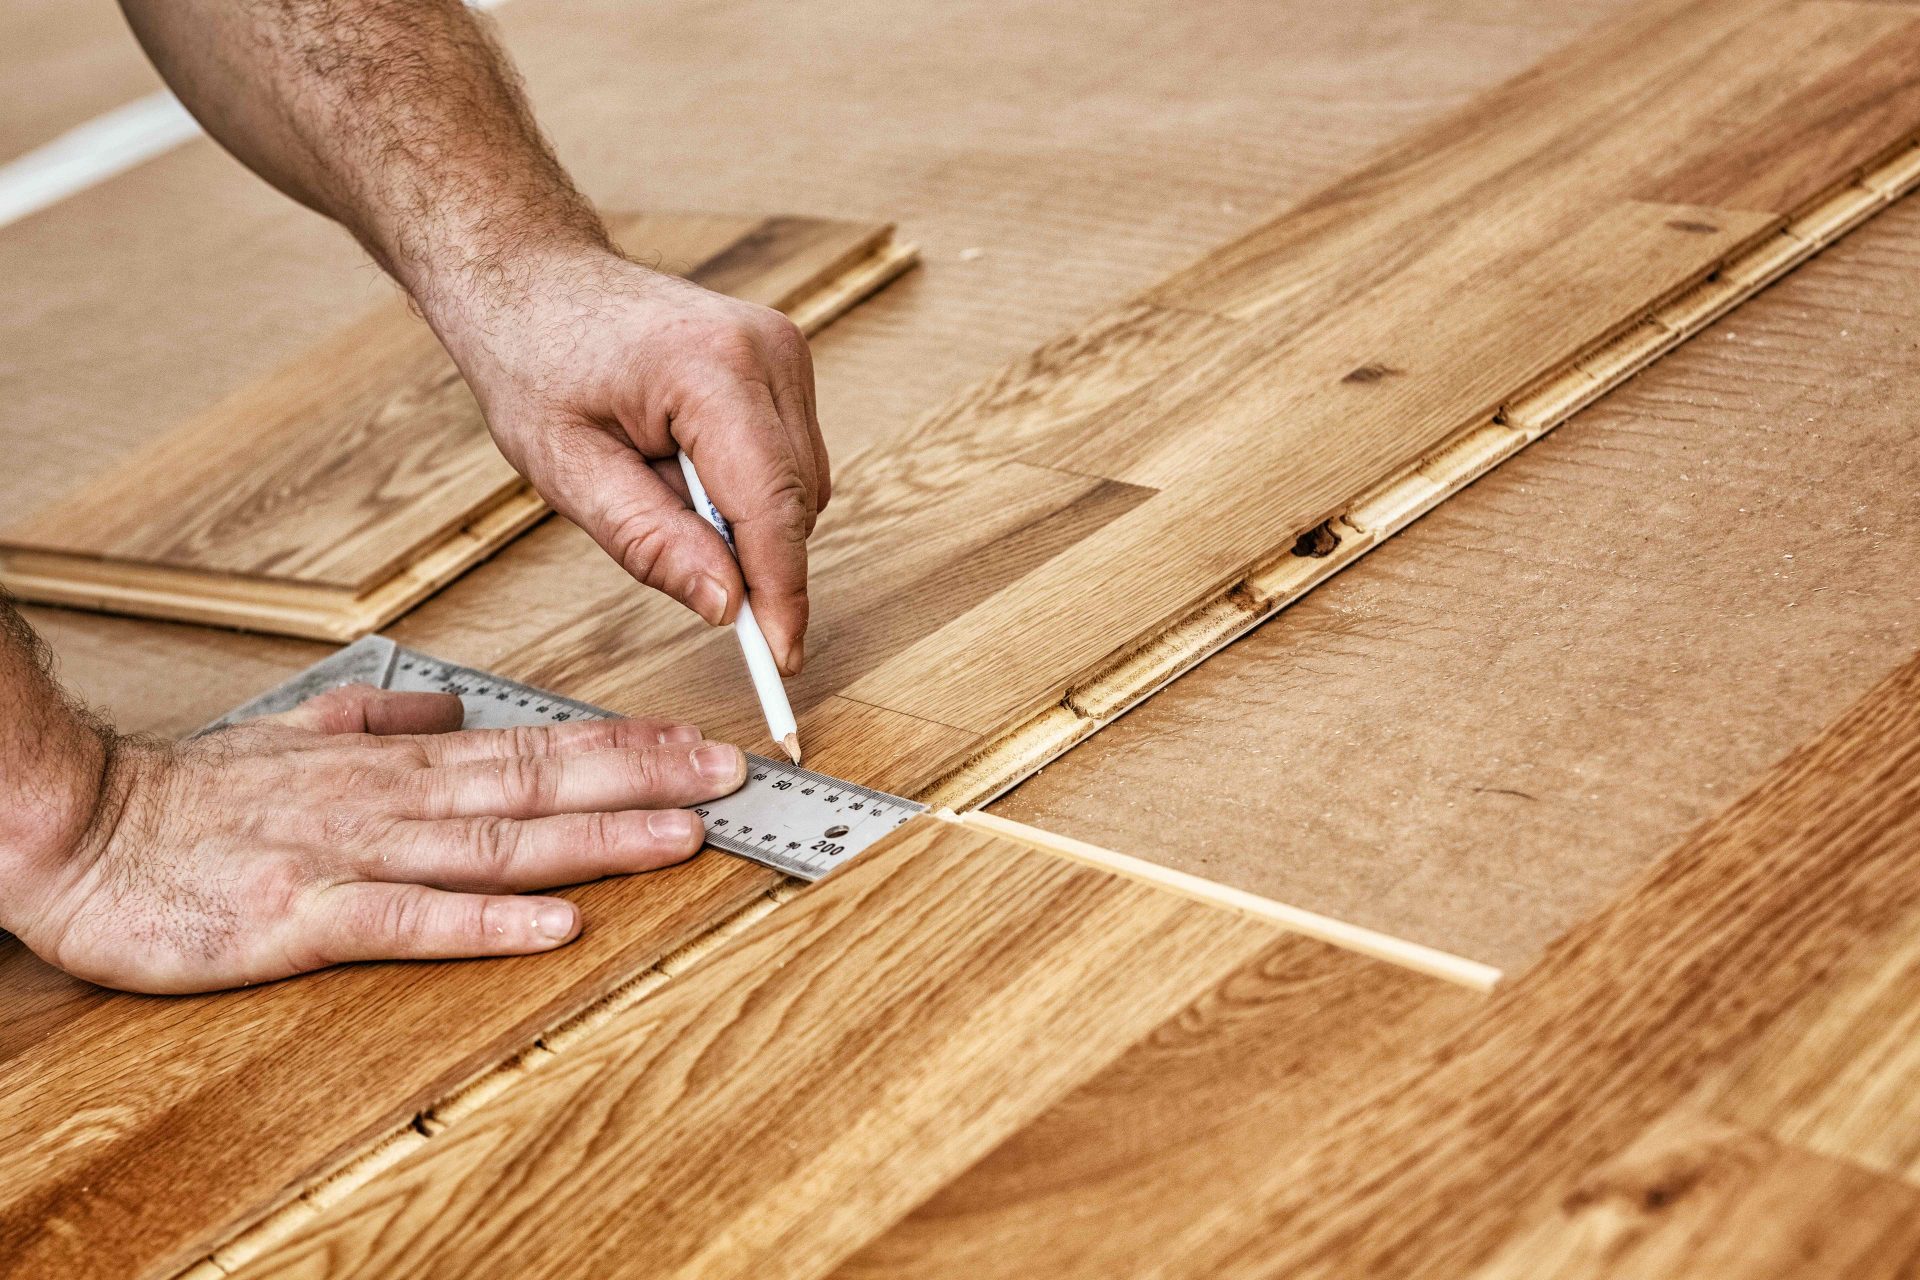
[791,744]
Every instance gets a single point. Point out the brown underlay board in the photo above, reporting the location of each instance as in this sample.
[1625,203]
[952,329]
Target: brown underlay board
[330,497]
[1644,611]
[61,66]
[967,488]
[863,1045]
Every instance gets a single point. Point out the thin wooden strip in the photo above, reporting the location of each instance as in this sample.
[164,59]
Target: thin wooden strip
[1350,937]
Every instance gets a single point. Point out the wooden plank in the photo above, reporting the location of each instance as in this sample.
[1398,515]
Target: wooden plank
[1619,1026]
[1778,153]
[1696,1198]
[865,1044]
[1838,1074]
[1095,1182]
[147,1129]
[366,462]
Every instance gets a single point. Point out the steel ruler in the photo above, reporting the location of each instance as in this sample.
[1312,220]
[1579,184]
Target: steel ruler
[792,819]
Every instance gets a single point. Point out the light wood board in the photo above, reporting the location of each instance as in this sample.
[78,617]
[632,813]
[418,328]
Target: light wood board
[952,995]
[328,498]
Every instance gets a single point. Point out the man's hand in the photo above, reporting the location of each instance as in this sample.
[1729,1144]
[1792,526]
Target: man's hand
[360,826]
[404,121]
[593,371]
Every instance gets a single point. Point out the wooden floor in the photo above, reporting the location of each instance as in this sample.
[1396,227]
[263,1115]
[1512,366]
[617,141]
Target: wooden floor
[250,1101]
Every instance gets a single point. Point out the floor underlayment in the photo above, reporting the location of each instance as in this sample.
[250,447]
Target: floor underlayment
[211,1108]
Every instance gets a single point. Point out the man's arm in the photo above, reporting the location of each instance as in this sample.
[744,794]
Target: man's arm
[360,826]
[402,120]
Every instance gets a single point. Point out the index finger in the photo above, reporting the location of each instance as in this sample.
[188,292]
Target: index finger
[555,739]
[752,476]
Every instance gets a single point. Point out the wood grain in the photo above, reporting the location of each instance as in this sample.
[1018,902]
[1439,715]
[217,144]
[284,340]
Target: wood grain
[1621,1024]
[1692,1197]
[865,1044]
[357,464]
[147,1129]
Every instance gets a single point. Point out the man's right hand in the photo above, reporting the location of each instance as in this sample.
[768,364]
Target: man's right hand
[360,826]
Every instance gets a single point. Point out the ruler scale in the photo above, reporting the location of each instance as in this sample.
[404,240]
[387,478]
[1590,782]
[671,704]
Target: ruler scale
[785,817]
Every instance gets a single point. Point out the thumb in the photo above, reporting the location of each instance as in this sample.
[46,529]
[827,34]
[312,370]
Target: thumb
[361,708]
[614,494]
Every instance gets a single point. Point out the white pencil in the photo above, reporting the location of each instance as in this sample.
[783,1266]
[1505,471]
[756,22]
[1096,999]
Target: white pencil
[753,643]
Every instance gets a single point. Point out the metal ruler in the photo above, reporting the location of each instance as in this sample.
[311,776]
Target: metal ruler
[792,819]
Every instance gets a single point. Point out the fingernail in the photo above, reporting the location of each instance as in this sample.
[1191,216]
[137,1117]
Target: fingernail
[676,825]
[709,599]
[796,656]
[681,733]
[717,760]
[553,921]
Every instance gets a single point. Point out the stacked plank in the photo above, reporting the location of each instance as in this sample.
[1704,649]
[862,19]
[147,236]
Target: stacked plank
[331,497]
[1016,570]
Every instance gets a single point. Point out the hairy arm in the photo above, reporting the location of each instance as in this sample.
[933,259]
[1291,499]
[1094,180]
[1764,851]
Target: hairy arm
[53,757]
[403,121]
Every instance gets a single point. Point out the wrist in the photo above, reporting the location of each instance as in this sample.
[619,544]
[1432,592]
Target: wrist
[469,284]
[52,794]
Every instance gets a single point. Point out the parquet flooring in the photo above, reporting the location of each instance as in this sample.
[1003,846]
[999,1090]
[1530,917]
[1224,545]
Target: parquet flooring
[959,1058]
[1145,537]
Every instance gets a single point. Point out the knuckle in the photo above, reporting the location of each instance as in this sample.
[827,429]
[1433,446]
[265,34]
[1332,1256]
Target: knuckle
[527,786]
[786,508]
[490,846]
[639,542]
[391,917]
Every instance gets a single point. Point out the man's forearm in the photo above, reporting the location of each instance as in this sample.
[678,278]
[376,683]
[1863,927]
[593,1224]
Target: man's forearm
[52,759]
[400,119]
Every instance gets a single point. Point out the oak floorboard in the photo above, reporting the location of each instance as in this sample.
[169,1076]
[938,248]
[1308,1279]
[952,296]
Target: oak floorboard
[1093,1183]
[1266,431]
[145,1130]
[1693,1197]
[855,1051]
[353,465]
[1622,1023]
